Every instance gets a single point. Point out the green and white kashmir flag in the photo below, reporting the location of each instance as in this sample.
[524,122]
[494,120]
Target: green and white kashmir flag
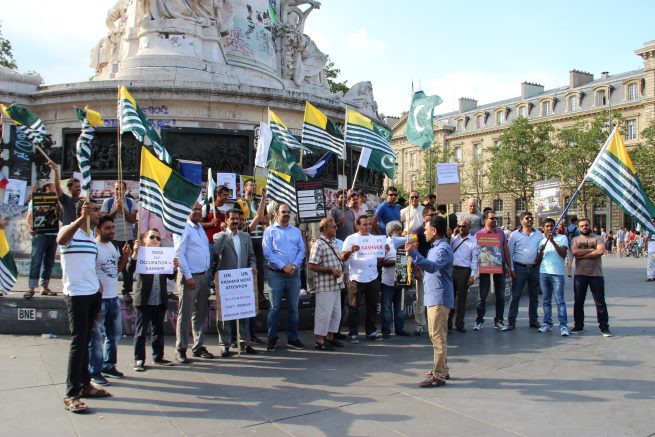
[8,270]
[132,119]
[375,142]
[419,128]
[32,125]
[319,131]
[282,131]
[165,192]
[83,147]
[280,187]
[281,159]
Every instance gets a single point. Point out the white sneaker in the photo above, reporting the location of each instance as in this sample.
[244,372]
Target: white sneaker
[563,331]
[477,326]
[545,328]
[354,339]
[500,326]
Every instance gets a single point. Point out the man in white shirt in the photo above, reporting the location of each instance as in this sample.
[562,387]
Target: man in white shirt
[191,251]
[109,327]
[465,270]
[364,284]
[412,216]
[82,292]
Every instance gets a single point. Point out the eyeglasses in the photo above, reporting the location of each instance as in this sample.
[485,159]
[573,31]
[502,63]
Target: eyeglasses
[491,218]
[413,197]
[153,237]
[392,194]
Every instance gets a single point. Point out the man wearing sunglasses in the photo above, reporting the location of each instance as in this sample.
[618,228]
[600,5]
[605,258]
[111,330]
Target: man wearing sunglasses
[387,211]
[412,216]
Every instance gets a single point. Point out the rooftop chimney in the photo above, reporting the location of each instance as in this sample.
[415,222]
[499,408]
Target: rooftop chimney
[578,78]
[466,104]
[605,75]
[529,89]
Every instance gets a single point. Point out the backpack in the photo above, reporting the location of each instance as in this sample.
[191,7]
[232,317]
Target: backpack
[127,200]
[571,232]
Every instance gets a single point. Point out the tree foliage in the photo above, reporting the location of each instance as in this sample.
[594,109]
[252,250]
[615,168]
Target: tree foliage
[331,74]
[426,182]
[6,55]
[643,158]
[521,158]
[576,148]
[474,178]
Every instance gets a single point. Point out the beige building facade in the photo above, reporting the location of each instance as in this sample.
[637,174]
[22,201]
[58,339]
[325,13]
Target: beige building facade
[469,132]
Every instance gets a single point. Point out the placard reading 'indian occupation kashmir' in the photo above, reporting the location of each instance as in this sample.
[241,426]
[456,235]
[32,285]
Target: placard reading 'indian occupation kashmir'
[155,260]
[311,201]
[236,295]
[372,245]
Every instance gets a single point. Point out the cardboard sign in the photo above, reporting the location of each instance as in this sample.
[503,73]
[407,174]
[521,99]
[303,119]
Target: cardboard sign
[235,295]
[155,260]
[448,173]
[45,213]
[490,253]
[229,180]
[372,245]
[310,197]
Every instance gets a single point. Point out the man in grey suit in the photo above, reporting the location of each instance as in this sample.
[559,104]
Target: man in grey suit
[233,250]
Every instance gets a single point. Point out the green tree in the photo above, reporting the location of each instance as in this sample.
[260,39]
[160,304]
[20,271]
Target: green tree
[474,180]
[519,159]
[643,158]
[331,74]
[576,148]
[426,182]
[6,55]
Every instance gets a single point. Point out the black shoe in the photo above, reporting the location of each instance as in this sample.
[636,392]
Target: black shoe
[335,342]
[340,336]
[295,344]
[272,342]
[250,350]
[163,362]
[606,333]
[112,372]
[226,353]
[461,329]
[256,339]
[535,325]
[203,353]
[180,357]
[577,330]
[511,326]
[386,335]
[402,334]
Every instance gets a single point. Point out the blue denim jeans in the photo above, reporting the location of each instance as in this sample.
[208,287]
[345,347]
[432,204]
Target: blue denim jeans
[283,286]
[392,295]
[108,329]
[523,275]
[553,284]
[42,260]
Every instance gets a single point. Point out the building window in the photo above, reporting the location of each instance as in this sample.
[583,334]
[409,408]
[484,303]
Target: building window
[479,121]
[477,151]
[632,92]
[500,118]
[520,205]
[545,108]
[573,103]
[631,129]
[498,205]
[601,98]
[460,125]
[523,112]
[457,208]
[458,154]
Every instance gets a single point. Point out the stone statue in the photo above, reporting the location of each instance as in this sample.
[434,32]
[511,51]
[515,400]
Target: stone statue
[203,12]
[309,64]
[361,95]
[107,50]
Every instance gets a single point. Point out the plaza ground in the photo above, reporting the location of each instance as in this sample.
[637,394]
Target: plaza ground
[502,384]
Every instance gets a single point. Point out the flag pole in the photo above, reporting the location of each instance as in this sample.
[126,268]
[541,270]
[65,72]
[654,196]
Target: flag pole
[119,164]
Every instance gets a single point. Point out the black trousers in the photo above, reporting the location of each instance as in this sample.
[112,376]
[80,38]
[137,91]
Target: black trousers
[82,312]
[461,276]
[597,286]
[358,294]
[130,268]
[149,316]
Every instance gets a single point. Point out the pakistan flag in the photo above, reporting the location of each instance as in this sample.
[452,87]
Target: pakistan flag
[419,128]
[377,160]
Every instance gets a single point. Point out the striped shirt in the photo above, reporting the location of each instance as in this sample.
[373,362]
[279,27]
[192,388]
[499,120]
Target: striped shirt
[78,264]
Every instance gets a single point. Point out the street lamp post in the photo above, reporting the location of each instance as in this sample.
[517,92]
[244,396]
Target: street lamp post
[507,219]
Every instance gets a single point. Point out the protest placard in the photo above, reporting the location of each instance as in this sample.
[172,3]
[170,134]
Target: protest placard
[490,253]
[235,295]
[372,245]
[229,180]
[155,260]
[45,213]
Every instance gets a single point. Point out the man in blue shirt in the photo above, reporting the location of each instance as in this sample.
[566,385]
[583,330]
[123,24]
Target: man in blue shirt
[551,256]
[193,256]
[386,212]
[284,251]
[439,297]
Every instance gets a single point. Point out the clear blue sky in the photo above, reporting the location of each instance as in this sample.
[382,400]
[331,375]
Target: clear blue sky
[478,49]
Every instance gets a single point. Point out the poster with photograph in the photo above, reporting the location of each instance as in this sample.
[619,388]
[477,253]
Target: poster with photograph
[45,213]
[547,198]
[490,253]
[229,180]
[15,192]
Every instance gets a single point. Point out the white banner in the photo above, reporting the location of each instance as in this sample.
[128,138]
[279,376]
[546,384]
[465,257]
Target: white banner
[155,260]
[372,245]
[447,173]
[236,294]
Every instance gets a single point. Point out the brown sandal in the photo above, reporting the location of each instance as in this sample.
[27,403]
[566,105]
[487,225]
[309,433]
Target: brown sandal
[29,294]
[48,292]
[75,405]
[89,391]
